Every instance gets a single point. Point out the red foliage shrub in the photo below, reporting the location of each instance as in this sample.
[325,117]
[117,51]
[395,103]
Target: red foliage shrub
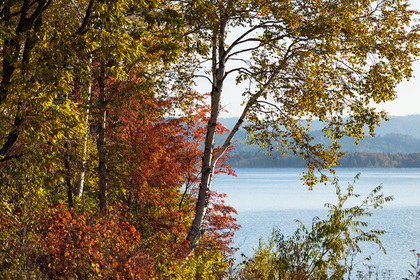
[77,245]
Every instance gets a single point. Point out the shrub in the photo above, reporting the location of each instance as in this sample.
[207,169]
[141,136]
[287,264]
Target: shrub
[322,251]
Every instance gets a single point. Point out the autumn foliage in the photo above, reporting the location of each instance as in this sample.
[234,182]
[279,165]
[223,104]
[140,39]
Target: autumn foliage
[76,245]
[153,174]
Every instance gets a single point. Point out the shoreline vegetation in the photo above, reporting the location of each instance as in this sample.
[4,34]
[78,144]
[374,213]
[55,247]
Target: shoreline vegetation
[326,248]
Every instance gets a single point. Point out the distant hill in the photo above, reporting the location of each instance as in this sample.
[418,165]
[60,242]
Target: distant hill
[397,144]
[407,125]
[398,135]
[387,143]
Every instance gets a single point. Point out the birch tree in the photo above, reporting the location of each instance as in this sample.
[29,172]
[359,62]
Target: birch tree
[299,61]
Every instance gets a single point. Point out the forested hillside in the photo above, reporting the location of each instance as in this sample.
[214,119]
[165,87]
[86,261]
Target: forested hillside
[396,144]
[353,160]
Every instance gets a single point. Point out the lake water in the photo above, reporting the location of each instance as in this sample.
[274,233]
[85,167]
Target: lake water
[269,197]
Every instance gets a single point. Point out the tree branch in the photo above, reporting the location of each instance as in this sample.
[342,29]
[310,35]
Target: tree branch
[88,14]
[249,31]
[12,157]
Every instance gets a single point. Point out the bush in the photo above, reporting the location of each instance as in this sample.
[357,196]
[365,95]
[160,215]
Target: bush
[322,251]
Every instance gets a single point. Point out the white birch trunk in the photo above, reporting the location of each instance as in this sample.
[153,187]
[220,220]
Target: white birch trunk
[207,168]
[80,180]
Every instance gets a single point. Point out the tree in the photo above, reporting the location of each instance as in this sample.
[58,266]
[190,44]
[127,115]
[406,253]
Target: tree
[101,68]
[51,49]
[36,56]
[153,158]
[300,61]
[140,35]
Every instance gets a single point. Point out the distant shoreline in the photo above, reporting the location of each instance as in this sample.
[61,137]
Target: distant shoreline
[350,160]
[335,167]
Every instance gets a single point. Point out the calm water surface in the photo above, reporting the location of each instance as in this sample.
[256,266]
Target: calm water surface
[267,198]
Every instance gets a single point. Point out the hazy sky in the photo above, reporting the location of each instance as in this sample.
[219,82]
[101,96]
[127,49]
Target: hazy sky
[407,103]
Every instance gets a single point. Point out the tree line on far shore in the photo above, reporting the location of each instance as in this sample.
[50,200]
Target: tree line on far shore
[350,160]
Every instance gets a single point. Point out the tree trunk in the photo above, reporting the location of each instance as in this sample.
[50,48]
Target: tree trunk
[12,50]
[100,143]
[80,180]
[13,134]
[207,168]
[68,172]
[210,159]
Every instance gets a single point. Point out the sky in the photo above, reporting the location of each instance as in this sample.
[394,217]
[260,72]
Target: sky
[407,102]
